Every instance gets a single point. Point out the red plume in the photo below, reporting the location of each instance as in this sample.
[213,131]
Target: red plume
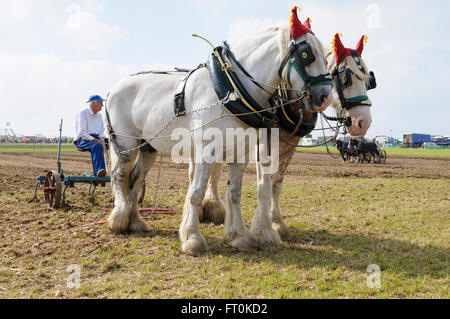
[307,24]
[297,28]
[360,45]
[340,51]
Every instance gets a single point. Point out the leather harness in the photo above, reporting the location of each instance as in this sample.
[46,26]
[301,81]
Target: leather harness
[235,97]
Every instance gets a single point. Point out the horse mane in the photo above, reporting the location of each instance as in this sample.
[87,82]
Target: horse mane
[284,37]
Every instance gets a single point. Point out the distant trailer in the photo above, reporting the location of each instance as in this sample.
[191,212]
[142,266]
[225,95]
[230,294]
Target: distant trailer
[416,139]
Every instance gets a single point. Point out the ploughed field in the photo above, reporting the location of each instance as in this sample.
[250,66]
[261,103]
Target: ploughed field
[342,218]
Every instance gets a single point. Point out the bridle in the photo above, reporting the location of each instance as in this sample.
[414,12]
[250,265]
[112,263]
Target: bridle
[342,79]
[299,56]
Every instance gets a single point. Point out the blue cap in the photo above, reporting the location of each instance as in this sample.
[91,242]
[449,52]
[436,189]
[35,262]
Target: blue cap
[95,98]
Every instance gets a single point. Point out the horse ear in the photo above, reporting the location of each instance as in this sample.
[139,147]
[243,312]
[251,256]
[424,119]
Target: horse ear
[297,28]
[360,45]
[338,49]
[307,24]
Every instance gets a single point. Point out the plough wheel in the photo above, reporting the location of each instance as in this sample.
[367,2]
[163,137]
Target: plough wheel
[52,189]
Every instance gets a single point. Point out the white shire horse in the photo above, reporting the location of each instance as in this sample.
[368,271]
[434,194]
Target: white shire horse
[142,106]
[352,81]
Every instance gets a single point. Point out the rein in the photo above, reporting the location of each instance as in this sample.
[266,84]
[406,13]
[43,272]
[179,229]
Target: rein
[336,130]
[300,55]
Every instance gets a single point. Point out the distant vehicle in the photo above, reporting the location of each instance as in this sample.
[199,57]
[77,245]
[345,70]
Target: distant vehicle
[360,151]
[431,146]
[415,140]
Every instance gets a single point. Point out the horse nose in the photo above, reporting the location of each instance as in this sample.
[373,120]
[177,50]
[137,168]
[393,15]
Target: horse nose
[359,127]
[322,102]
[321,97]
[363,125]
[360,123]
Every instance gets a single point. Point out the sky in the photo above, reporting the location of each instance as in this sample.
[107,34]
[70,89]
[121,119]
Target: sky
[54,54]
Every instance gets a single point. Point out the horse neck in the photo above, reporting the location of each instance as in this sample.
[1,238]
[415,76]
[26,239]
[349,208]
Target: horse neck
[261,59]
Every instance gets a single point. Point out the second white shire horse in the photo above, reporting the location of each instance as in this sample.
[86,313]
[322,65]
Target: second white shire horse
[352,80]
[141,120]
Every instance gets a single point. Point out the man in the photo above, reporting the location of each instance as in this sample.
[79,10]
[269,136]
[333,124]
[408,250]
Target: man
[89,133]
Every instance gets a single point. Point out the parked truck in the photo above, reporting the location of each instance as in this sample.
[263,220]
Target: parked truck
[415,139]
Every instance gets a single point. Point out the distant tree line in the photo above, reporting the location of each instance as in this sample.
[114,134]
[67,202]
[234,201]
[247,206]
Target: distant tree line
[35,139]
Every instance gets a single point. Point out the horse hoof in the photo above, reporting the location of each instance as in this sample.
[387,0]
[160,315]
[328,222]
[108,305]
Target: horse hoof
[213,211]
[266,238]
[281,229]
[118,223]
[195,245]
[138,226]
[244,244]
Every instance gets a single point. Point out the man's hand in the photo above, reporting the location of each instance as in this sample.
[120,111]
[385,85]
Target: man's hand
[101,140]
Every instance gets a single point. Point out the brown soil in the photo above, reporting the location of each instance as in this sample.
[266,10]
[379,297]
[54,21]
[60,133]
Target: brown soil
[18,171]
[29,231]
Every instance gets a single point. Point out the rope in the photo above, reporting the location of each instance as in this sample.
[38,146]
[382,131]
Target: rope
[323,131]
[88,226]
[336,130]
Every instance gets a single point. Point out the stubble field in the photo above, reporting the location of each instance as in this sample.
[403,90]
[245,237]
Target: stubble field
[342,218]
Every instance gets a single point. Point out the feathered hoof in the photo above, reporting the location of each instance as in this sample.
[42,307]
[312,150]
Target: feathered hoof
[118,223]
[194,245]
[266,238]
[213,211]
[244,244]
[138,225]
[281,229]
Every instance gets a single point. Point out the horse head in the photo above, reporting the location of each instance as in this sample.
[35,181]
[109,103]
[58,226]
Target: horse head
[351,80]
[304,68]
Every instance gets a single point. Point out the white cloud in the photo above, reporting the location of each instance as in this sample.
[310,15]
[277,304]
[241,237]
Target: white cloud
[241,27]
[15,9]
[38,90]
[86,32]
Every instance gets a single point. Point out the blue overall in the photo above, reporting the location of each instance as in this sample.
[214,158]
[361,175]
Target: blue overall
[96,151]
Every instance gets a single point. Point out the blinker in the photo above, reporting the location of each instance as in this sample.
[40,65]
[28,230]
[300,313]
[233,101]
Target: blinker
[372,81]
[304,54]
[345,76]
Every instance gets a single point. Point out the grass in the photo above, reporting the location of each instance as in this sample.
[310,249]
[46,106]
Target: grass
[418,152]
[411,152]
[339,227]
[441,153]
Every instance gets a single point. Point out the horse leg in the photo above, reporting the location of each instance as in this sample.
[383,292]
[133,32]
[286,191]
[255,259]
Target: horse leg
[213,206]
[261,228]
[192,242]
[143,165]
[234,227]
[275,212]
[191,178]
[119,218]
[286,155]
